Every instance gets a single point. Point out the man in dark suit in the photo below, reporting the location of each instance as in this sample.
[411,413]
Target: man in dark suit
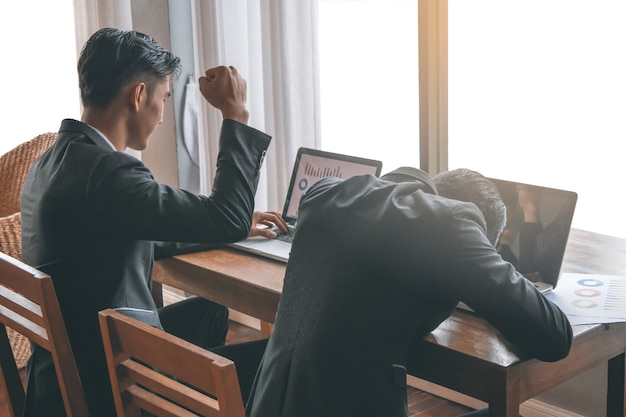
[91,213]
[377,263]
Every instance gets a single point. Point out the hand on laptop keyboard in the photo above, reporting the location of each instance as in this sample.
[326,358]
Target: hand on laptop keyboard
[265,223]
[284,236]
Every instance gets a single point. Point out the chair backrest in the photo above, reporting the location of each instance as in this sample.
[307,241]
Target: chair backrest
[14,166]
[28,304]
[11,244]
[165,375]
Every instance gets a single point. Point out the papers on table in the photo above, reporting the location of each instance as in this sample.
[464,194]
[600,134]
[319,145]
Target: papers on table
[590,298]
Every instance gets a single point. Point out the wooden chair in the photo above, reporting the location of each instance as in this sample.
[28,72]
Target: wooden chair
[190,381]
[28,304]
[11,244]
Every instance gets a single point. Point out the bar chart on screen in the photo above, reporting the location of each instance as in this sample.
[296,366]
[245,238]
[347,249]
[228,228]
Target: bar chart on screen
[321,172]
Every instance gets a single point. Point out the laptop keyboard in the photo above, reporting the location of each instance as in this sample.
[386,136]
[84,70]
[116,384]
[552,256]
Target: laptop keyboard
[285,236]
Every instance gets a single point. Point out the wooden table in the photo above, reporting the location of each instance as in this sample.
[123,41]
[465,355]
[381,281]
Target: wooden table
[481,364]
[465,353]
[243,282]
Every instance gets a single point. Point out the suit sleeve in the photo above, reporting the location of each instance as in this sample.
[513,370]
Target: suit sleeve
[128,201]
[496,291]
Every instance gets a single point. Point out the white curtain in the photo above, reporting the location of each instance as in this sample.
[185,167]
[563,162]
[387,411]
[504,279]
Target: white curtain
[273,44]
[91,15]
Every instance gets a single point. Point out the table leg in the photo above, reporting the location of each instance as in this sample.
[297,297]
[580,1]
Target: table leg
[615,398]
[505,402]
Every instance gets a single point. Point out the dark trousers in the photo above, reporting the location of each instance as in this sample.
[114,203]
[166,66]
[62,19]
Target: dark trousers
[247,357]
[196,320]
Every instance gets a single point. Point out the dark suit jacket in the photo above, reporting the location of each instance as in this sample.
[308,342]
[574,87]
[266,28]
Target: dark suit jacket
[373,266]
[90,215]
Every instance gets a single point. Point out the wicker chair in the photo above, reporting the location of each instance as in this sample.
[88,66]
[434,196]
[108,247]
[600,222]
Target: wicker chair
[14,166]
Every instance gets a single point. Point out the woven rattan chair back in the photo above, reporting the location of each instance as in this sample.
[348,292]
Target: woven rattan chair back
[14,166]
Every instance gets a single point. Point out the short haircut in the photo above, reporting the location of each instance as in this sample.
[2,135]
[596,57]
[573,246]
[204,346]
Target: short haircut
[113,58]
[466,185]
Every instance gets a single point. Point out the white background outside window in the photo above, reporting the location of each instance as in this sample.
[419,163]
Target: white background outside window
[537,93]
[38,71]
[369,79]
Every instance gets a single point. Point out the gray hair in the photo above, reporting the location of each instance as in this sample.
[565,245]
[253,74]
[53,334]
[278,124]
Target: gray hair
[466,185]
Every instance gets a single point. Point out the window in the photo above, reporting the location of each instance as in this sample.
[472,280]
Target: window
[38,72]
[537,93]
[369,79]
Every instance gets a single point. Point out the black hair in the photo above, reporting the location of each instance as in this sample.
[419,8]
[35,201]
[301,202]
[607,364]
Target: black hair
[113,58]
[470,186]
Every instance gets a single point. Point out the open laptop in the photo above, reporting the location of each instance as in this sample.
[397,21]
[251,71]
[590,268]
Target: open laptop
[311,166]
[535,249]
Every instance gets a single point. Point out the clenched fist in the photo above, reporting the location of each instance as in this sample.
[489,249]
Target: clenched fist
[226,90]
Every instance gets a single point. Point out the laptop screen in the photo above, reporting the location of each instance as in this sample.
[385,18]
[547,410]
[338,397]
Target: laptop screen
[538,225]
[312,165]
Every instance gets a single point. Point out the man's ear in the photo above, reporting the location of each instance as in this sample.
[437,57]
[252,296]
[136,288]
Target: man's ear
[137,95]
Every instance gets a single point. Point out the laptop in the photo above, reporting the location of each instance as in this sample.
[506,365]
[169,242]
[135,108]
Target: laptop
[311,166]
[536,249]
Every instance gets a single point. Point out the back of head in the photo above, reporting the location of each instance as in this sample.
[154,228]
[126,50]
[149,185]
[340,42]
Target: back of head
[113,58]
[466,185]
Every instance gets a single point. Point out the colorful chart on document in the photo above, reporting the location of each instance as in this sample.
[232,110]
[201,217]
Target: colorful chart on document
[592,295]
